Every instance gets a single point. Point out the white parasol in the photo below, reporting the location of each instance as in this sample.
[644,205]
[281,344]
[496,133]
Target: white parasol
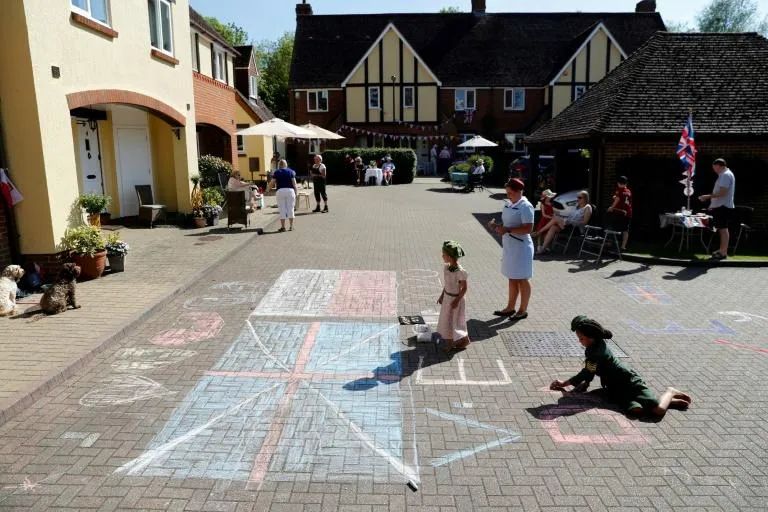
[322,133]
[478,142]
[277,128]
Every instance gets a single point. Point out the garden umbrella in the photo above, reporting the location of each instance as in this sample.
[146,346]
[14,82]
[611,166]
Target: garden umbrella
[322,133]
[278,128]
[478,142]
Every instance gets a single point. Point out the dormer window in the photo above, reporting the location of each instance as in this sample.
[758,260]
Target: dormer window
[253,87]
[219,64]
[160,25]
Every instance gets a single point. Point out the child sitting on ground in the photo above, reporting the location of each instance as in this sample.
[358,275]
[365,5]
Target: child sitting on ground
[623,385]
[452,323]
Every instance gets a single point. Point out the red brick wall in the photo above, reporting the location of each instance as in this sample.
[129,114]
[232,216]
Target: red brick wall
[336,108]
[5,246]
[491,102]
[215,105]
[618,150]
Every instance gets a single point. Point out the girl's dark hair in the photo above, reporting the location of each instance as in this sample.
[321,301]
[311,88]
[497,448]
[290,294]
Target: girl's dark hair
[590,328]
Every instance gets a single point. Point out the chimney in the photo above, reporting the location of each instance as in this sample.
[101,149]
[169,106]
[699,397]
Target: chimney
[303,9]
[478,6]
[646,6]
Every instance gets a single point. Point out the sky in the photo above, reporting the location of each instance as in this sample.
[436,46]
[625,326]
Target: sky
[269,19]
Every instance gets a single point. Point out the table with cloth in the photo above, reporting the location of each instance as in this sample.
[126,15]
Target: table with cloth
[683,225]
[373,172]
[459,179]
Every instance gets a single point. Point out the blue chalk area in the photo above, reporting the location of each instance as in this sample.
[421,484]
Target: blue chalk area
[281,340]
[226,450]
[356,348]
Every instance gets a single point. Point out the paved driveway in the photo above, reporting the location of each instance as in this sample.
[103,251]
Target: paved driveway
[282,381]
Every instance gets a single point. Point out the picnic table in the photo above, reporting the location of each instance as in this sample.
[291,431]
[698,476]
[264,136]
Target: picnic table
[459,179]
[683,225]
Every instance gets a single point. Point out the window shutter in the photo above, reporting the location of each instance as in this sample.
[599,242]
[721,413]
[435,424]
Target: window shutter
[213,61]
[197,50]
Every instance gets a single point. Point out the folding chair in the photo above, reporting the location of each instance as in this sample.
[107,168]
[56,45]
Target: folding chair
[304,195]
[573,232]
[595,237]
[147,209]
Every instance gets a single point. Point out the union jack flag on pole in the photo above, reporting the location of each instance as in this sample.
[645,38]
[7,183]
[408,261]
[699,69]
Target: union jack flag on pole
[686,152]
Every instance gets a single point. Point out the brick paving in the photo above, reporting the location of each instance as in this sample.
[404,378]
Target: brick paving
[292,388]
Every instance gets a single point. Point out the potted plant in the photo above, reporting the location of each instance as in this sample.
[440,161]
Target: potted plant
[94,204]
[196,198]
[86,247]
[212,201]
[116,251]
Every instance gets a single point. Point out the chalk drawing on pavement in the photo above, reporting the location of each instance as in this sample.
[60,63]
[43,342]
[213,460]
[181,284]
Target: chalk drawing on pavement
[223,295]
[508,437]
[462,380]
[738,346]
[646,294]
[87,439]
[742,317]
[551,421]
[672,327]
[124,389]
[331,293]
[192,327]
[419,286]
[149,358]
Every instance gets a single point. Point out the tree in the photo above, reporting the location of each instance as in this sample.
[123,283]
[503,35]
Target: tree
[232,34]
[678,26]
[275,67]
[731,16]
[449,10]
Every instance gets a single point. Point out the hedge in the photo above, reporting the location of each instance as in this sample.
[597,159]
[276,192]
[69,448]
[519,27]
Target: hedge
[404,160]
[209,167]
[466,166]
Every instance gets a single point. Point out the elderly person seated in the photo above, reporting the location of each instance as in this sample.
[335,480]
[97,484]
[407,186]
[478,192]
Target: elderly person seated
[236,184]
[475,178]
[359,169]
[387,168]
[579,218]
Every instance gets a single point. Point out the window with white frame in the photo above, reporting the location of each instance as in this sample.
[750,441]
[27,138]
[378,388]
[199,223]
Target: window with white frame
[161,25]
[195,51]
[97,10]
[514,99]
[464,138]
[374,97]
[241,139]
[317,101]
[253,87]
[409,98]
[219,64]
[579,91]
[465,99]
[516,142]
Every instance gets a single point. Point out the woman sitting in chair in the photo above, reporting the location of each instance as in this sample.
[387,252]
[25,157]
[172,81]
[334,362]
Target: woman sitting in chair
[236,184]
[578,218]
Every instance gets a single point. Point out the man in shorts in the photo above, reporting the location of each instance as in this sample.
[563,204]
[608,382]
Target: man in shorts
[721,205]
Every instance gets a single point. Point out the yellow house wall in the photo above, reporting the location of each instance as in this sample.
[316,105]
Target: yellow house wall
[391,57]
[254,146]
[205,56]
[373,66]
[35,105]
[358,77]
[581,66]
[561,98]
[356,102]
[161,141]
[599,48]
[427,103]
[108,163]
[408,65]
[615,57]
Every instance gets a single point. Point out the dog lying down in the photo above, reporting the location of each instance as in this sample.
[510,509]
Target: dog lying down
[8,287]
[61,293]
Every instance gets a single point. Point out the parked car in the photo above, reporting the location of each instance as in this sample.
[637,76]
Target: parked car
[565,203]
[521,167]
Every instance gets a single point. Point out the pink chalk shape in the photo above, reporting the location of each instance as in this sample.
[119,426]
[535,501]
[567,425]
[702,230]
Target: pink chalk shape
[631,435]
[364,293]
[737,346]
[201,326]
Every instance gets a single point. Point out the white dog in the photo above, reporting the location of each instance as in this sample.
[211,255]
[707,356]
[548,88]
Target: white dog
[10,276]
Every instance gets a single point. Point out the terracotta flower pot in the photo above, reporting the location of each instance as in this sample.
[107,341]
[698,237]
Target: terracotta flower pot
[94,219]
[91,267]
[200,222]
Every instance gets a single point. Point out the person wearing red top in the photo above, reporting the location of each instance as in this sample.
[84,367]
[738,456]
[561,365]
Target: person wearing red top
[621,210]
[547,212]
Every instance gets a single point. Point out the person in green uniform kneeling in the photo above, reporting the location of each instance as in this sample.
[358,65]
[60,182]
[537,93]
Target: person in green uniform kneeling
[623,385]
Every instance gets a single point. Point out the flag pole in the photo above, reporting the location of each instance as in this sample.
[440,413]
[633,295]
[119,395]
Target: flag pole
[689,185]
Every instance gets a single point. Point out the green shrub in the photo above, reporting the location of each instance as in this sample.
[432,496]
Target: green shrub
[213,196]
[467,166]
[209,167]
[94,203]
[403,158]
[83,240]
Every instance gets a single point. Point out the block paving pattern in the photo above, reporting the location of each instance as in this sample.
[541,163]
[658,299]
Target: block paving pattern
[710,458]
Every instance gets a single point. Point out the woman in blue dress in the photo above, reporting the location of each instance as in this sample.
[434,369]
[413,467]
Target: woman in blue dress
[517,249]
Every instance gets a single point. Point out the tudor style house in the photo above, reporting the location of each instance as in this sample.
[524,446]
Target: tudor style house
[420,79]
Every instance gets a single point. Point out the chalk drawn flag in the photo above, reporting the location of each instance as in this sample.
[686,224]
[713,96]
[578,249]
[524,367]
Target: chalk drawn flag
[10,193]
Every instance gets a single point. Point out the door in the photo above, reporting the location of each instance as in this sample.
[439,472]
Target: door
[422,153]
[90,158]
[133,166]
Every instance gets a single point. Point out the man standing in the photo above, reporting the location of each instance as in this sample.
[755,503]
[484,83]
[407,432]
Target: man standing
[621,210]
[433,160]
[721,204]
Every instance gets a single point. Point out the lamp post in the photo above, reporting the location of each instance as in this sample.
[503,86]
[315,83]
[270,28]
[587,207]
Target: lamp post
[394,79]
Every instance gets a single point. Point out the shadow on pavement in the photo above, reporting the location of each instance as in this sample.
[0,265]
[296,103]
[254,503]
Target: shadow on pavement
[686,274]
[624,273]
[570,404]
[404,364]
[480,330]
[448,189]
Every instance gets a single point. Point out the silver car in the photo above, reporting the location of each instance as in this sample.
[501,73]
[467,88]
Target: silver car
[566,203]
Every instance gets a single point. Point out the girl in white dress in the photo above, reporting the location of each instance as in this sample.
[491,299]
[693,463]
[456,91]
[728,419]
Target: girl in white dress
[452,323]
